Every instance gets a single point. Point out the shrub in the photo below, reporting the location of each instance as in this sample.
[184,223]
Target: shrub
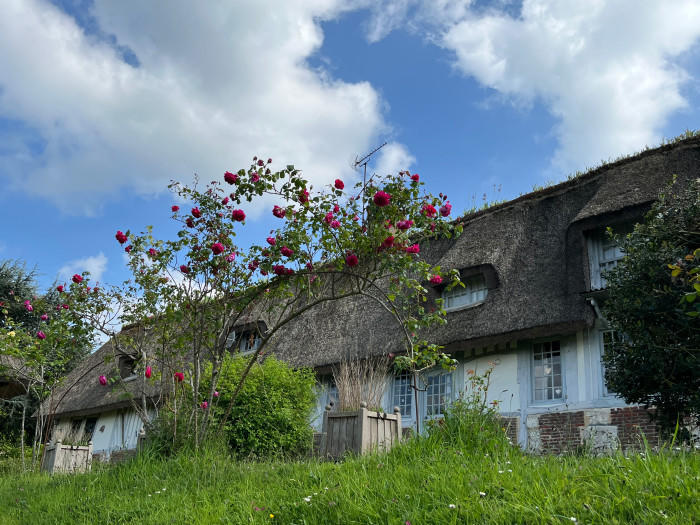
[272,412]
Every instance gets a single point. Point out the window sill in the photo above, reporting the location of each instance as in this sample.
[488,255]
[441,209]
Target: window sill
[465,307]
[130,378]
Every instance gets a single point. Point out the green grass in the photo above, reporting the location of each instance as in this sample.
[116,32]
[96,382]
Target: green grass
[416,482]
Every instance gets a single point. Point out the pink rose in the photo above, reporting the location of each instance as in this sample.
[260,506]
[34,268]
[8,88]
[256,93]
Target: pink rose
[388,242]
[196,213]
[238,215]
[224,201]
[77,278]
[103,380]
[415,177]
[148,372]
[429,210]
[230,257]
[44,317]
[152,252]
[445,209]
[175,208]
[28,306]
[128,249]
[335,224]
[404,225]
[261,163]
[355,218]
[287,252]
[415,248]
[204,405]
[339,184]
[328,218]
[279,212]
[255,177]
[41,335]
[381,198]
[231,178]
[65,306]
[436,279]
[271,241]
[351,260]
[184,269]
[60,288]
[216,393]
[120,237]
[303,196]
[179,377]
[217,248]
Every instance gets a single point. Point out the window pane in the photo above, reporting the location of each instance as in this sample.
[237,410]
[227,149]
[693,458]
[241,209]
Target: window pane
[438,394]
[547,371]
[403,394]
[473,292]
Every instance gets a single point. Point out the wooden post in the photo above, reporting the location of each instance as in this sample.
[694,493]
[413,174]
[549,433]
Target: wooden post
[364,429]
[399,427]
[323,449]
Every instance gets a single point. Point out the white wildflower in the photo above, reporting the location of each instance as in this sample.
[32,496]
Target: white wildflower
[452,506]
[500,472]
[482,494]
[307,499]
[573,519]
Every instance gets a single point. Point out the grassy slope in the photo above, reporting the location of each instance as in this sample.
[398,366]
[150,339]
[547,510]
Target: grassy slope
[416,483]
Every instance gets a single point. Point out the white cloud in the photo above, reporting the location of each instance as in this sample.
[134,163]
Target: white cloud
[604,69]
[217,84]
[392,158]
[96,265]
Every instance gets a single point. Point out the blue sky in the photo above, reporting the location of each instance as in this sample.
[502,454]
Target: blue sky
[102,102]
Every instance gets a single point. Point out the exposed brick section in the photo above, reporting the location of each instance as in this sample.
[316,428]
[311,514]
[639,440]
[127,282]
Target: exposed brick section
[559,431]
[511,426]
[631,423]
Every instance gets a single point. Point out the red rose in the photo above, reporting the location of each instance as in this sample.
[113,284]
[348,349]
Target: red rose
[231,178]
[415,248]
[184,269]
[224,201]
[152,252]
[204,405]
[287,252]
[335,224]
[65,306]
[279,269]
[351,260]
[217,248]
[271,241]
[189,222]
[128,249]
[41,335]
[309,266]
[405,224]
[328,218]
[77,279]
[60,288]
[415,177]
[120,237]
[179,377]
[148,372]
[429,210]
[261,163]
[255,177]
[175,208]
[435,279]
[336,208]
[339,184]
[303,196]
[381,198]
[279,212]
[388,242]
[103,380]
[238,215]
[44,317]
[253,265]
[196,212]
[445,209]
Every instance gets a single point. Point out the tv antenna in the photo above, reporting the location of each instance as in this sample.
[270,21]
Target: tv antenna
[363,162]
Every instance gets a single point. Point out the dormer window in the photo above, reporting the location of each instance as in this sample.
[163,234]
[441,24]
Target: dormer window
[244,342]
[127,367]
[473,292]
[603,255]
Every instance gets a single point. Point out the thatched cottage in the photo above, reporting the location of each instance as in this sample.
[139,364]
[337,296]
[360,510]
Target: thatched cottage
[532,268]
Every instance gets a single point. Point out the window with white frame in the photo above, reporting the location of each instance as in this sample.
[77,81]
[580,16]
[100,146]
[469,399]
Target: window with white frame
[473,292]
[403,394]
[547,372]
[244,342]
[608,339]
[603,254]
[438,394]
[333,395]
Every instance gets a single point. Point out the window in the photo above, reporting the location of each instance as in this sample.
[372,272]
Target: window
[333,396]
[438,394]
[245,342]
[403,394]
[603,254]
[127,365]
[474,292]
[89,430]
[547,371]
[608,339]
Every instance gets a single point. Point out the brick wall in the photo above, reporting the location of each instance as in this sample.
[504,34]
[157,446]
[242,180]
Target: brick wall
[631,423]
[560,431]
[511,426]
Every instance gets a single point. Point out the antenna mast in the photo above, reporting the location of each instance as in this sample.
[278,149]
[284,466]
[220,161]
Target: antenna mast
[363,162]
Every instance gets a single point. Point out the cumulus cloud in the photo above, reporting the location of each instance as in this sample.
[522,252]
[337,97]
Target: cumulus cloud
[215,85]
[607,70]
[393,157]
[96,265]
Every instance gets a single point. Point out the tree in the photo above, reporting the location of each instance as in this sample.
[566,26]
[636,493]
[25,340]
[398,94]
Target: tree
[329,244]
[652,305]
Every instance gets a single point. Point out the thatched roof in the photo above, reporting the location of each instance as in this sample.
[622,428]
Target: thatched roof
[536,246]
[531,249]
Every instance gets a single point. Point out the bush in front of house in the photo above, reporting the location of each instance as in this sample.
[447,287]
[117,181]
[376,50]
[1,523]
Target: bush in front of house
[271,414]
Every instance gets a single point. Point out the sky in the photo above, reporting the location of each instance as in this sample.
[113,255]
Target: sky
[103,103]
